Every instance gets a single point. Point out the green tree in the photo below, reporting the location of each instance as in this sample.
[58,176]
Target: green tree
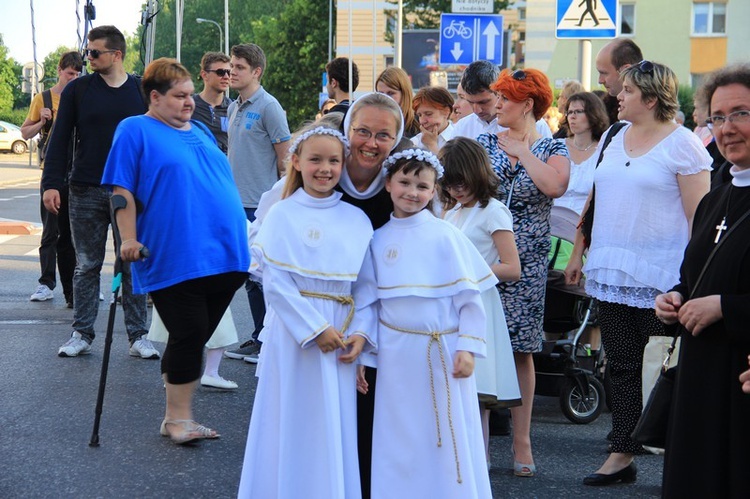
[296,46]
[198,39]
[20,99]
[8,78]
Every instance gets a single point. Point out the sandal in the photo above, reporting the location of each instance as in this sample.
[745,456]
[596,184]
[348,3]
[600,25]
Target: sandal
[191,431]
[523,470]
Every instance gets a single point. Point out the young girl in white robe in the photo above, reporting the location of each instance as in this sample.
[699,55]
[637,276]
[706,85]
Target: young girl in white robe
[468,189]
[427,435]
[312,254]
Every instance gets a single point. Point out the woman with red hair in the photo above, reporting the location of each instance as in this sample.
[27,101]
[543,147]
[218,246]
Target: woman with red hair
[533,171]
[433,107]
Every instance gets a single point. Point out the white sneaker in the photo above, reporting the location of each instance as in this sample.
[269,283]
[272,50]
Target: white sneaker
[144,349]
[101,296]
[75,346]
[42,293]
[218,382]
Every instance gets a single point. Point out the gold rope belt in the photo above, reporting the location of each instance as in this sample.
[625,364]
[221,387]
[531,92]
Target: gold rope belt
[435,339]
[342,299]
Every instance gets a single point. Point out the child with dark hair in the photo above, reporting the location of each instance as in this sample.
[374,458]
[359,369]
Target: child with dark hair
[426,442]
[468,190]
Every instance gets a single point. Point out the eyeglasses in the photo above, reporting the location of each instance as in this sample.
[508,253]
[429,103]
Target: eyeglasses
[716,122]
[646,67]
[94,54]
[221,73]
[574,112]
[518,75]
[365,134]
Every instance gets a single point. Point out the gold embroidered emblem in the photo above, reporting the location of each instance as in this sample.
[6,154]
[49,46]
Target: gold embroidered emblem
[313,235]
[391,254]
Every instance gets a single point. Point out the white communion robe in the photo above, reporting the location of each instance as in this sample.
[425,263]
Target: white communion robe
[427,434]
[302,440]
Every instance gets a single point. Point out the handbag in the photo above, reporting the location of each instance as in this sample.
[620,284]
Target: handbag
[651,429]
[587,220]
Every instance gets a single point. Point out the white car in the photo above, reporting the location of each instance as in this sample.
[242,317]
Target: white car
[11,138]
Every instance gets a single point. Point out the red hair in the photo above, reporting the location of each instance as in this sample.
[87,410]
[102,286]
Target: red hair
[535,86]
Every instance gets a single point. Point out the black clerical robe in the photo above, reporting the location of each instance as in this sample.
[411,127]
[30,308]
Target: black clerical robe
[708,442]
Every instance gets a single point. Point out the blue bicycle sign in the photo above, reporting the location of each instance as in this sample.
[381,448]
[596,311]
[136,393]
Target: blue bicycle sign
[465,38]
[457,28]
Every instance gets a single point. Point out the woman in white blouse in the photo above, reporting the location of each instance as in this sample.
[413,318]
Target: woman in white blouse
[647,187]
[587,120]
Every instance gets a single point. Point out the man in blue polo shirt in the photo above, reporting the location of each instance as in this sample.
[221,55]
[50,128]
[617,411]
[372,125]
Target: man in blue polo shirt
[258,142]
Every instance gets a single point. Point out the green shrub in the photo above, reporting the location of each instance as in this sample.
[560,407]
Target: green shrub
[16,116]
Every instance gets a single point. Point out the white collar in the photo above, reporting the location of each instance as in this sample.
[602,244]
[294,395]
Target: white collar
[740,176]
[348,186]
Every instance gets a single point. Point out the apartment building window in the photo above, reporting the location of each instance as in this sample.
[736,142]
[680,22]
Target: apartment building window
[627,19]
[709,18]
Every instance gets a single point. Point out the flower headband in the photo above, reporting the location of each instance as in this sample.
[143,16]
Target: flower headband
[418,154]
[319,130]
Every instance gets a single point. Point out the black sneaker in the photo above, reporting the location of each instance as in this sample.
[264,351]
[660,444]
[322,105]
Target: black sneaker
[250,347]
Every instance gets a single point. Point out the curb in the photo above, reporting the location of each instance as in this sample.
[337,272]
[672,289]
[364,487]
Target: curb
[18,228]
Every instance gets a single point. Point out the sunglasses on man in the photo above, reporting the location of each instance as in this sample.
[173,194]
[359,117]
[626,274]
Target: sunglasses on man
[221,73]
[94,53]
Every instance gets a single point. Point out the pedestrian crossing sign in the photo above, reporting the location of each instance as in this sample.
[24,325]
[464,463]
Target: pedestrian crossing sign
[586,19]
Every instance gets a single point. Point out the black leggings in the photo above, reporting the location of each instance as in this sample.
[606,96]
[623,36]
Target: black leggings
[191,310]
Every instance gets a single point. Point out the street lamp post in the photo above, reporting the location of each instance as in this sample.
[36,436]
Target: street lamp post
[221,35]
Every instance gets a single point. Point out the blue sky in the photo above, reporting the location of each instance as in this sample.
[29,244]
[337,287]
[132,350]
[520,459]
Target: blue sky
[56,23]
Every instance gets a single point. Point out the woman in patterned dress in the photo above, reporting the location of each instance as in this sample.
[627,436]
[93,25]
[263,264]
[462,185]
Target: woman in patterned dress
[532,170]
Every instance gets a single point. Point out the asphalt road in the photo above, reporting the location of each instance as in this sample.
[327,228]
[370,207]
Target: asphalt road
[47,405]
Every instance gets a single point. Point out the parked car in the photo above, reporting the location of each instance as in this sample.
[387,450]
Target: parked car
[11,139]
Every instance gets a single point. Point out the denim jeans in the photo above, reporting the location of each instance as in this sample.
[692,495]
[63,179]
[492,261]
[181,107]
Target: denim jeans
[89,223]
[255,293]
[56,248]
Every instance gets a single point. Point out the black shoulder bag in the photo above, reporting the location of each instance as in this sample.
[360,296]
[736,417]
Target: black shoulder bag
[651,429]
[44,133]
[587,220]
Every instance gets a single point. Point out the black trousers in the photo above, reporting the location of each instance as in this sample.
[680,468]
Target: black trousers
[191,310]
[56,247]
[625,332]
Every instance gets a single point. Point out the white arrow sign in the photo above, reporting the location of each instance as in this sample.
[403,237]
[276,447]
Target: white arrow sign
[457,50]
[490,32]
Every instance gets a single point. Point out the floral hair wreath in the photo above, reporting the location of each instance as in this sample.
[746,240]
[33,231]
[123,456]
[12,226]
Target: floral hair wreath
[319,130]
[418,154]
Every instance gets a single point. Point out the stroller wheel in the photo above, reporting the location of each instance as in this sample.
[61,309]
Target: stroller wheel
[582,408]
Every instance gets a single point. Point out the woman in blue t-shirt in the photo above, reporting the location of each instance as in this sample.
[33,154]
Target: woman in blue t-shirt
[193,224]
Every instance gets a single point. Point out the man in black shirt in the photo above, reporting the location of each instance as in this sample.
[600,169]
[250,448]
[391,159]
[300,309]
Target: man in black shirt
[91,107]
[338,83]
[212,103]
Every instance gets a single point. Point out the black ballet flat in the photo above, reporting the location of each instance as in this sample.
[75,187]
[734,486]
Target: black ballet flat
[625,475]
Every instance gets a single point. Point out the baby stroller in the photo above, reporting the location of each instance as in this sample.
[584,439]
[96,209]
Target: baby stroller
[567,367]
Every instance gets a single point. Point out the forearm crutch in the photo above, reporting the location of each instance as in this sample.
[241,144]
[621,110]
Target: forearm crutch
[116,202]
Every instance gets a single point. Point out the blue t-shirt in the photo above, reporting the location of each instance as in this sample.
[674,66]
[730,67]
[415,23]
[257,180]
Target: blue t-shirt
[192,220]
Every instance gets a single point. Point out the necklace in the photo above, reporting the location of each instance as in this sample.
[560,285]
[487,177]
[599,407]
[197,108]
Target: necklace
[584,149]
[723,225]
